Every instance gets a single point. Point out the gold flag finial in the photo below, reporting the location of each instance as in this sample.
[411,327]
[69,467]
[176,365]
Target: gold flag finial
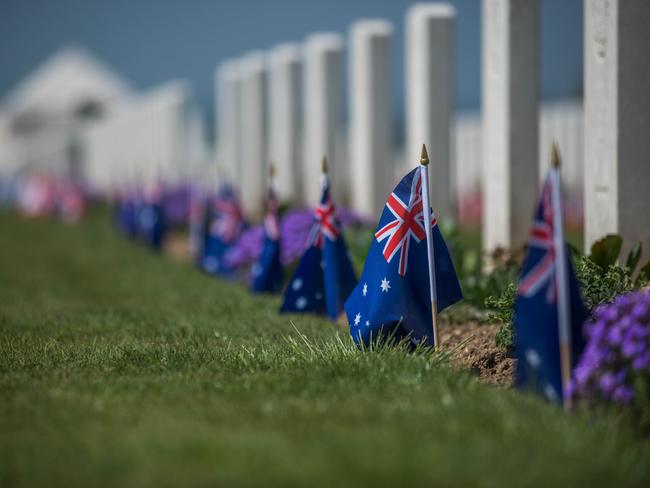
[271,169]
[324,165]
[424,157]
[555,156]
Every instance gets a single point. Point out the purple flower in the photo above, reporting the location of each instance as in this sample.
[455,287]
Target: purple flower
[597,329]
[582,374]
[610,313]
[634,331]
[607,383]
[640,310]
[642,362]
[176,203]
[615,335]
[617,354]
[623,394]
[294,230]
[632,348]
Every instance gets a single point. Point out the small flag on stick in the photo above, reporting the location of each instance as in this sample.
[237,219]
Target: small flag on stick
[267,273]
[225,224]
[549,311]
[324,277]
[398,289]
[431,259]
[151,218]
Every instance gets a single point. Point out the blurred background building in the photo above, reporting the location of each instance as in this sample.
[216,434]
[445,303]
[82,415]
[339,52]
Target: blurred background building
[43,117]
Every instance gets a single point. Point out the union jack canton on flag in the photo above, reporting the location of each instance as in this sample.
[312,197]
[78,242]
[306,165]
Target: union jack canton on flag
[392,297]
[536,318]
[324,277]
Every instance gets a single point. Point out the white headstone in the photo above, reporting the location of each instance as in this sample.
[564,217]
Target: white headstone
[285,119]
[510,120]
[254,133]
[430,96]
[198,153]
[228,120]
[371,104]
[322,109]
[617,121]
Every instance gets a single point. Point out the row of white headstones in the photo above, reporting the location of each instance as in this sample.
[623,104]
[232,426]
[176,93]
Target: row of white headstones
[285,106]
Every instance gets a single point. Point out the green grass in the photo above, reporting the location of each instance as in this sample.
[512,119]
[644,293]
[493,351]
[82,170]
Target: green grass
[120,368]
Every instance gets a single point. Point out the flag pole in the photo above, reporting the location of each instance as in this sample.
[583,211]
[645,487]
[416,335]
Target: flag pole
[271,174]
[426,208]
[561,277]
[324,171]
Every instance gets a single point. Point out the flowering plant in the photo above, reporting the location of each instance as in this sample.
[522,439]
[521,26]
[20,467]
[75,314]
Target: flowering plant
[176,205]
[615,366]
[601,279]
[294,230]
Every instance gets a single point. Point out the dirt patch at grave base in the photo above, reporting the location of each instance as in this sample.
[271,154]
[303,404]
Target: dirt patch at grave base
[479,354]
[176,247]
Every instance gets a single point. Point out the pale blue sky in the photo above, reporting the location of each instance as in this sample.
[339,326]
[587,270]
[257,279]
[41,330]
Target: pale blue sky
[151,41]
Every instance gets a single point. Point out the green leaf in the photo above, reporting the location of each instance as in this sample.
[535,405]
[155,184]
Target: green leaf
[633,257]
[605,251]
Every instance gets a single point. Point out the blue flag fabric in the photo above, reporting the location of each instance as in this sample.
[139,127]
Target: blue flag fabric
[324,277]
[305,292]
[151,222]
[204,240]
[393,295]
[224,227]
[267,274]
[127,220]
[536,318]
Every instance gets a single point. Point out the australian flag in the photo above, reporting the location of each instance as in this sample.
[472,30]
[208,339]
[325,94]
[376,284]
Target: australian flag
[324,277]
[393,297]
[267,274]
[225,224]
[536,320]
[151,219]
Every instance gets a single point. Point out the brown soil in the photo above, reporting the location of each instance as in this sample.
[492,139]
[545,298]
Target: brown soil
[478,353]
[176,247]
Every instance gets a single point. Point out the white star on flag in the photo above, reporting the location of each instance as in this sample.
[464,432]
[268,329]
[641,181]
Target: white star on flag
[385,285]
[357,319]
[367,323]
[533,358]
[365,289]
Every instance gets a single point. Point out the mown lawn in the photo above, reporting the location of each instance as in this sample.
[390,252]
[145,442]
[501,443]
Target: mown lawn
[120,368]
